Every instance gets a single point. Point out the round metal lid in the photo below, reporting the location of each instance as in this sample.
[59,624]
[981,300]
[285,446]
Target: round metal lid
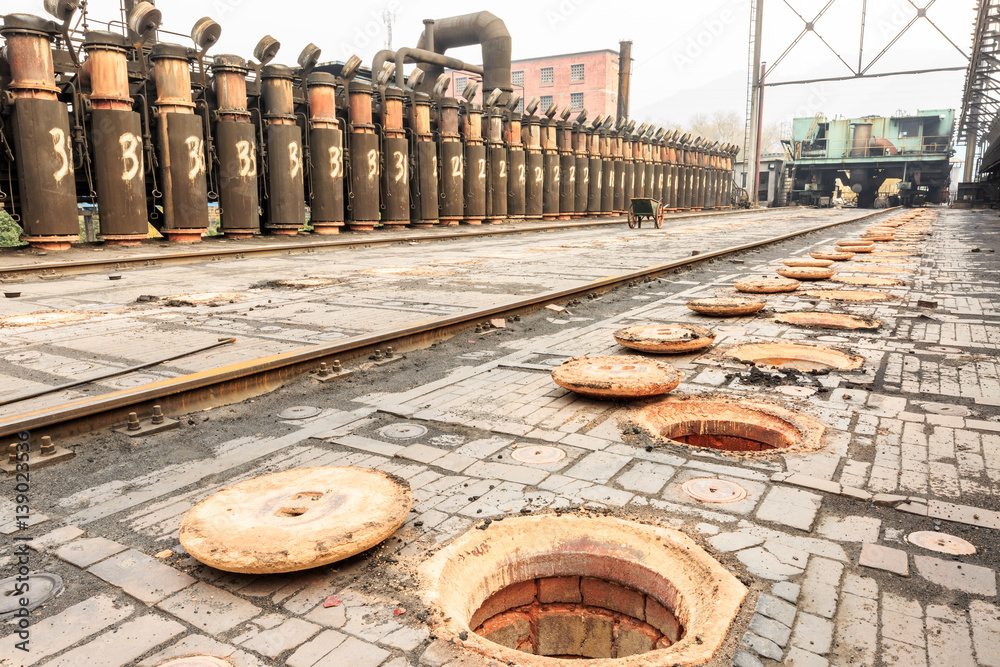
[538,454]
[946,409]
[709,490]
[806,273]
[942,542]
[295,520]
[796,391]
[617,376]
[402,431]
[722,306]
[299,412]
[665,337]
[321,79]
[42,587]
[197,661]
[167,50]
[767,285]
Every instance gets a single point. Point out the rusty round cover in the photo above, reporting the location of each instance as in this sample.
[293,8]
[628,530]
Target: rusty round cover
[665,338]
[821,263]
[870,281]
[806,273]
[624,376]
[725,306]
[795,355]
[197,661]
[889,253]
[828,320]
[856,248]
[883,260]
[296,519]
[714,490]
[856,296]
[832,256]
[881,238]
[767,285]
[942,542]
[878,269]
[538,454]
[852,242]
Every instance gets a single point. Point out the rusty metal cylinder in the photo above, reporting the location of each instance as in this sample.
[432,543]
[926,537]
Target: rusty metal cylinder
[452,170]
[496,186]
[475,166]
[517,174]
[567,168]
[534,167]
[116,137]
[286,202]
[581,160]
[553,170]
[236,146]
[43,146]
[181,138]
[608,175]
[670,169]
[618,197]
[702,180]
[326,155]
[424,180]
[364,161]
[657,172]
[639,167]
[650,168]
[396,158]
[596,172]
[628,187]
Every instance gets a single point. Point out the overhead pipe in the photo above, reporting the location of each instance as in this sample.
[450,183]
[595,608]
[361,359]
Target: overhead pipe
[237,148]
[466,30]
[427,57]
[181,138]
[43,146]
[326,155]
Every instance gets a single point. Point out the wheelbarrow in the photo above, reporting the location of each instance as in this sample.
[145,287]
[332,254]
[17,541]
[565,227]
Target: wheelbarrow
[645,208]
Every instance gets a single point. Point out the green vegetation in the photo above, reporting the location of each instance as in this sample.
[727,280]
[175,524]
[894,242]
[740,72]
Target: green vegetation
[10,232]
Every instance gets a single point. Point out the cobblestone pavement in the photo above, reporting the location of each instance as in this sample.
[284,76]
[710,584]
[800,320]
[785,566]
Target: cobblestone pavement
[912,443]
[72,327]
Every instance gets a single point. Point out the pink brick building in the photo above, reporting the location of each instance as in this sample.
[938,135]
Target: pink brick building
[585,80]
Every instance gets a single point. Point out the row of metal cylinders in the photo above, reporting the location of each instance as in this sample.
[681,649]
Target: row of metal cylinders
[359,156]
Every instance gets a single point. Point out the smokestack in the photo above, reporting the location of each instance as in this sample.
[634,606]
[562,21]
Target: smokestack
[624,77]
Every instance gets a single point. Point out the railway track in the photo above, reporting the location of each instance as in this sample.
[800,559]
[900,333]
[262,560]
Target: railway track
[249,378]
[347,241]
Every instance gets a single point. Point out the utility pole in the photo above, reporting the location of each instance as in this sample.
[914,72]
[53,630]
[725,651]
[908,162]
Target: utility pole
[754,122]
[388,18]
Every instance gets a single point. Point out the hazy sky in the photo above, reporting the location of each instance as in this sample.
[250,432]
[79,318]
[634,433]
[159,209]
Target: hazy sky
[690,57]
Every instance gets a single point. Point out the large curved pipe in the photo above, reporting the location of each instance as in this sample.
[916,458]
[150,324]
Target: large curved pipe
[429,58]
[888,147]
[480,28]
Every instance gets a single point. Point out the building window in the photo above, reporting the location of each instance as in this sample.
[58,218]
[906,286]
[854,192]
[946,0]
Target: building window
[576,72]
[460,83]
[517,78]
[546,103]
[547,76]
[520,106]
[576,100]
[909,128]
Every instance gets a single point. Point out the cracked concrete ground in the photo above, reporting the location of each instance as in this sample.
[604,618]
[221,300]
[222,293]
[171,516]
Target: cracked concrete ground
[912,443]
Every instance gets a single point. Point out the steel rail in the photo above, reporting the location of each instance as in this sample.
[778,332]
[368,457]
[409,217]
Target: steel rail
[346,241]
[228,384]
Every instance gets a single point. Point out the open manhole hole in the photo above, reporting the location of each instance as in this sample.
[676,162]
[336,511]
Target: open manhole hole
[203,299]
[828,320]
[796,356]
[941,542]
[296,519]
[665,338]
[42,319]
[724,306]
[849,296]
[299,412]
[743,427]
[403,431]
[868,281]
[709,490]
[535,591]
[615,377]
[806,273]
[767,285]
[36,589]
[539,454]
